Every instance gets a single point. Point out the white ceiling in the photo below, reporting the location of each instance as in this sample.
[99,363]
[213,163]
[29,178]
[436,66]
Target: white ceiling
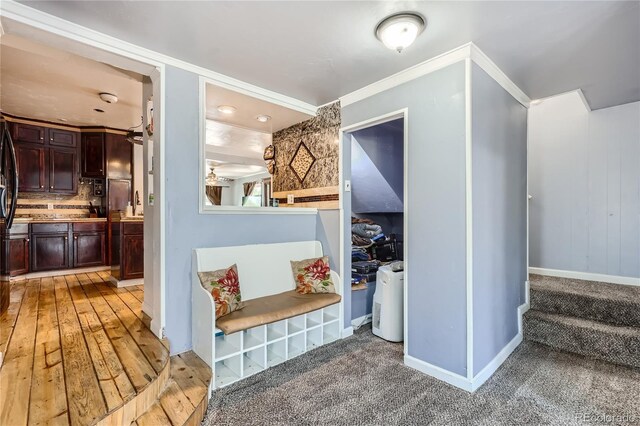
[248,108]
[317,51]
[235,152]
[40,82]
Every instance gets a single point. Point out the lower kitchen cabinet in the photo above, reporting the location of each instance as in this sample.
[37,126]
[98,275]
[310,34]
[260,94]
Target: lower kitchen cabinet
[15,247]
[49,252]
[127,249]
[89,241]
[67,245]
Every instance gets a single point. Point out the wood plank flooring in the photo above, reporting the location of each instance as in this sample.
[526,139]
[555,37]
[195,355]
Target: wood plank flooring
[76,351]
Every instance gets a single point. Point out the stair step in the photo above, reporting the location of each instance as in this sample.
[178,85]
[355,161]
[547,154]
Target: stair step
[183,401]
[598,301]
[615,344]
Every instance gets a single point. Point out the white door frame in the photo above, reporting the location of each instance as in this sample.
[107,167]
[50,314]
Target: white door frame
[374,121]
[32,24]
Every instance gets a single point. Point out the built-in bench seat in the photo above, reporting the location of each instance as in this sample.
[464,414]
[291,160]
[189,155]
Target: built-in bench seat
[276,324]
[269,309]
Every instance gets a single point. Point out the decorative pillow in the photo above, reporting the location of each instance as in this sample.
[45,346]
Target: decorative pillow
[224,286]
[312,275]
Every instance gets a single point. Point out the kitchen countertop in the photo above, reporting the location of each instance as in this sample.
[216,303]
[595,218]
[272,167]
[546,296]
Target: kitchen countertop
[116,219]
[74,220]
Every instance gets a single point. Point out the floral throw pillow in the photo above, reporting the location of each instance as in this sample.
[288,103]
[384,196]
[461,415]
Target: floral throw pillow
[224,286]
[312,275]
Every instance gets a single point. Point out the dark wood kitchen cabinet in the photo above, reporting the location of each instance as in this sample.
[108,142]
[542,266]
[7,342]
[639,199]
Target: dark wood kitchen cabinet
[89,244]
[28,133]
[32,171]
[47,159]
[127,249]
[50,252]
[63,176]
[15,248]
[63,138]
[93,155]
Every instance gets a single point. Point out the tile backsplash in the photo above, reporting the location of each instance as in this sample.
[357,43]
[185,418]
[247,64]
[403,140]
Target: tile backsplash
[36,205]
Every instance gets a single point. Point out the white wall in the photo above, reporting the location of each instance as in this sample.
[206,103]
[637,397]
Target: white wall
[584,176]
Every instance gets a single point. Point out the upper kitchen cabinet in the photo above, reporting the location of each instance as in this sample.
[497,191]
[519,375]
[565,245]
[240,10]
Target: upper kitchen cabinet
[63,177]
[93,155]
[32,176]
[63,138]
[28,133]
[47,159]
[119,156]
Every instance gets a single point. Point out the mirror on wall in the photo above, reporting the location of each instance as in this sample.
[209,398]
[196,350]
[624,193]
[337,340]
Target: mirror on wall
[238,155]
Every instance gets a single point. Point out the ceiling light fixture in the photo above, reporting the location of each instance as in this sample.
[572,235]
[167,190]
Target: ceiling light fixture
[399,31]
[263,118]
[109,98]
[212,178]
[227,109]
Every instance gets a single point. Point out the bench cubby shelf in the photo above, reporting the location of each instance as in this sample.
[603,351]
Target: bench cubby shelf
[242,354]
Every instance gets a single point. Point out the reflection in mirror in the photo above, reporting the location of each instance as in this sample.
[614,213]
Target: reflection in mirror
[237,162]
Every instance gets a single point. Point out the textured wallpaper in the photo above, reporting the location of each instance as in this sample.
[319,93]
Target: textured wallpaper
[313,165]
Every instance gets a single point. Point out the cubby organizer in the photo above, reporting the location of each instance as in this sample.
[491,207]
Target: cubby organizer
[250,351]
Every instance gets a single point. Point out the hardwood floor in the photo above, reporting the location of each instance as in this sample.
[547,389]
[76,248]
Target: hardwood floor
[78,351]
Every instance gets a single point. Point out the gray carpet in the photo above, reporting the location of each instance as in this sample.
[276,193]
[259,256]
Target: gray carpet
[361,380]
[594,319]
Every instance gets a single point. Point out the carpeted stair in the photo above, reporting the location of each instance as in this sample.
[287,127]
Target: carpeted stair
[594,319]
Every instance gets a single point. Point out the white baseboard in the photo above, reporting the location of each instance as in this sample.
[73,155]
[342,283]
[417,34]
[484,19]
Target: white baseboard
[360,321]
[439,373]
[495,363]
[522,309]
[587,276]
[458,380]
[347,332]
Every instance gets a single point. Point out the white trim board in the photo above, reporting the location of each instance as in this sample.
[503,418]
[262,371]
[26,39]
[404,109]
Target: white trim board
[468,213]
[466,51]
[464,383]
[586,276]
[347,332]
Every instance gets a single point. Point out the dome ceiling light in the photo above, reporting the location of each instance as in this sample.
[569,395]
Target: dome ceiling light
[399,31]
[263,118]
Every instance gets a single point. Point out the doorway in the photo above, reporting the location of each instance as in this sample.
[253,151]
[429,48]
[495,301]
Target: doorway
[373,220]
[110,187]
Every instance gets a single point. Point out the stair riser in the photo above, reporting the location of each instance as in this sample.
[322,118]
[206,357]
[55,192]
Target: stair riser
[610,347]
[582,306]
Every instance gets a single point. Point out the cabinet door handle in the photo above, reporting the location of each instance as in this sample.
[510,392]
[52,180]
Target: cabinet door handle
[26,240]
[75,237]
[41,186]
[51,187]
[66,238]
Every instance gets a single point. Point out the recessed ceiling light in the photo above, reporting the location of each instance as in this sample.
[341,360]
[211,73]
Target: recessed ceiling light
[227,109]
[399,31]
[62,119]
[263,118]
[98,110]
[109,98]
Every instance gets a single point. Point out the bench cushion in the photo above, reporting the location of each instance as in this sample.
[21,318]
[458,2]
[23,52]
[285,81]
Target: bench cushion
[268,309]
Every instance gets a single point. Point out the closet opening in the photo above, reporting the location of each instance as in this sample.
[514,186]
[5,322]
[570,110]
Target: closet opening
[377,227]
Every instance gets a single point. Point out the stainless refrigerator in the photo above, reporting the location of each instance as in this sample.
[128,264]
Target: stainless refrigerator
[8,176]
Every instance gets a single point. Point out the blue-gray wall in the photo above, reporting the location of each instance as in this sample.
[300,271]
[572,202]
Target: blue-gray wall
[377,181]
[436,210]
[362,301]
[584,176]
[499,191]
[186,229]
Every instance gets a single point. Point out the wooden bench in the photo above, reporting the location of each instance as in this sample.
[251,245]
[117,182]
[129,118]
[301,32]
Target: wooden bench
[276,324]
